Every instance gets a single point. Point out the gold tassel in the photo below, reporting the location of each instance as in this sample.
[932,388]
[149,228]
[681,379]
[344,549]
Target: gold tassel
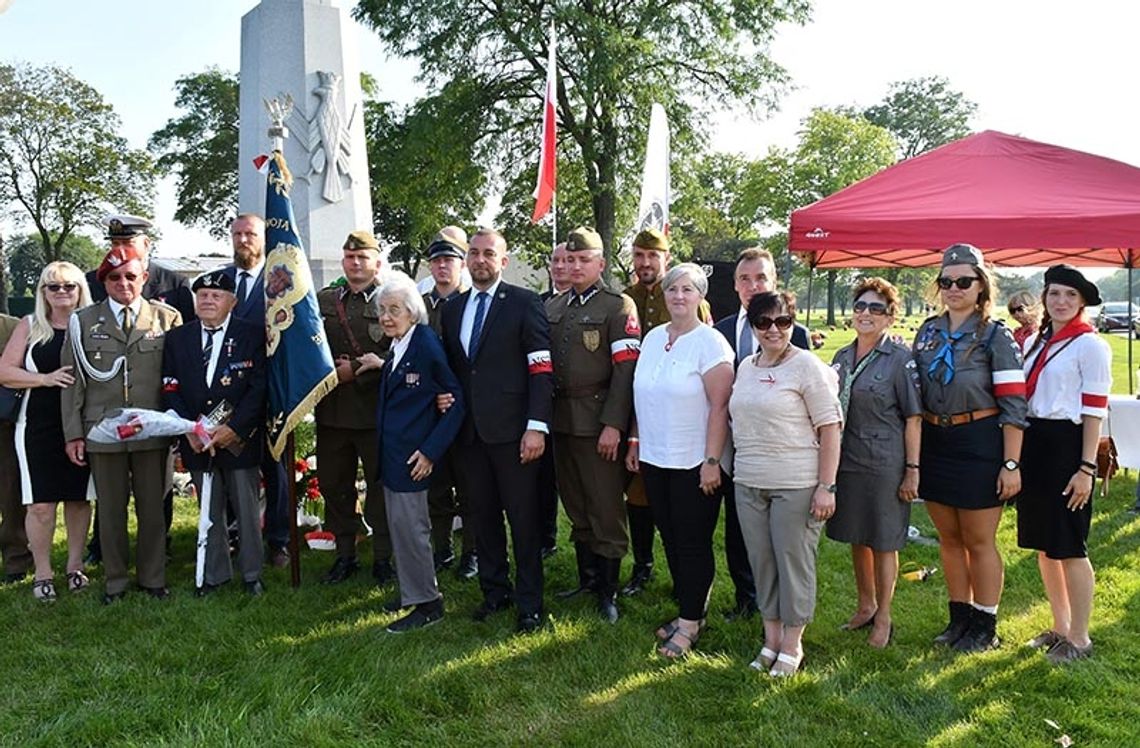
[286,175]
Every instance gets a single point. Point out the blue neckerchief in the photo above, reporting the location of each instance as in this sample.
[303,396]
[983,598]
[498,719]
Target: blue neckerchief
[945,356]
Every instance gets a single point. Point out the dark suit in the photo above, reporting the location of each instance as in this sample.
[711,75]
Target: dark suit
[239,379]
[547,482]
[735,554]
[507,383]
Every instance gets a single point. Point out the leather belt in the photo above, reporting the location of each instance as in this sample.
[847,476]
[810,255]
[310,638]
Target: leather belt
[959,418]
[585,390]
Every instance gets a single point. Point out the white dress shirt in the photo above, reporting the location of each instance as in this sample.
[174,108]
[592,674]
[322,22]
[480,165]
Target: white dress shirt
[219,341]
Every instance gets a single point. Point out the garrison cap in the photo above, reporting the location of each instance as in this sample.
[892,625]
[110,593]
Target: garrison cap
[1067,275]
[451,241]
[962,254]
[583,237]
[216,279]
[123,226]
[361,239]
[651,238]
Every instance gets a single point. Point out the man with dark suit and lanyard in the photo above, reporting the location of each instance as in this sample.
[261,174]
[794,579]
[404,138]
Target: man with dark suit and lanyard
[498,343]
[215,362]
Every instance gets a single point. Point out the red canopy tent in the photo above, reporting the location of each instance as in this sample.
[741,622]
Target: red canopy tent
[1020,201]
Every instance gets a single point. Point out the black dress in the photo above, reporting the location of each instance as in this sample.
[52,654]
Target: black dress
[53,476]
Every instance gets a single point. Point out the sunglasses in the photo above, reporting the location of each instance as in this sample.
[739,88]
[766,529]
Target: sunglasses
[57,287]
[782,322]
[877,308]
[1016,309]
[963,282]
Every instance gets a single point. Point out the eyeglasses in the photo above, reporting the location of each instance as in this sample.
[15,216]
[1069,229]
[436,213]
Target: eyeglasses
[1016,309]
[876,308]
[57,287]
[782,322]
[963,282]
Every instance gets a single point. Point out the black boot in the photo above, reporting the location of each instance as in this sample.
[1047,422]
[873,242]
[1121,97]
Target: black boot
[959,622]
[607,588]
[640,577]
[981,634]
[587,572]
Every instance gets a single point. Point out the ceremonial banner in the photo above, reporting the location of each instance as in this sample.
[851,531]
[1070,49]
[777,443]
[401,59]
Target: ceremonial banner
[653,209]
[544,189]
[299,364]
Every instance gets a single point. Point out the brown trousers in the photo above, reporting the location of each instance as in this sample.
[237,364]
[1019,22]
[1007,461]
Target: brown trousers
[13,539]
[338,453]
[591,489]
[117,476]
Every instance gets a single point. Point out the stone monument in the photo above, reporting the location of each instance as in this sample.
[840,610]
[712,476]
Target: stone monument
[304,50]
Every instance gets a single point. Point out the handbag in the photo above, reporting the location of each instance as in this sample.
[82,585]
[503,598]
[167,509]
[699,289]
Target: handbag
[1106,462]
[10,400]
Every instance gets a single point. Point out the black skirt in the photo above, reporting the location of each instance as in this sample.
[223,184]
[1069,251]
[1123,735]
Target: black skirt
[1050,455]
[960,464]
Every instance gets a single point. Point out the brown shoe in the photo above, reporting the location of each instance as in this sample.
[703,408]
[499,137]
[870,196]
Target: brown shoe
[1065,651]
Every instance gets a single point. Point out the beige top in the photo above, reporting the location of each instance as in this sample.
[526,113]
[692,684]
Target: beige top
[775,413]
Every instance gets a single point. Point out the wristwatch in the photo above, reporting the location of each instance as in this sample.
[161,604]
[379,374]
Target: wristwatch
[712,460]
[829,487]
[1011,465]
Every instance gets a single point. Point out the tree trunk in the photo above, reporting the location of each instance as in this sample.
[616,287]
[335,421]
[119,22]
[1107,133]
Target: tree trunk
[3,276]
[831,298]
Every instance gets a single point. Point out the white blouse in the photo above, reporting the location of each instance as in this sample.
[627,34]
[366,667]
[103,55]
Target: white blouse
[1075,380]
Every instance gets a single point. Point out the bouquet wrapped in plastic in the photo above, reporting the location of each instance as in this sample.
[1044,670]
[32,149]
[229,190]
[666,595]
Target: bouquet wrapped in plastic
[135,424]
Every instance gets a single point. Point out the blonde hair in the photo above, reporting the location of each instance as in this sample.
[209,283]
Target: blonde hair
[55,272]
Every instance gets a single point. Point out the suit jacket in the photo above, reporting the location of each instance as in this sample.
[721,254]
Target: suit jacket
[406,412]
[139,385]
[510,380]
[253,308]
[239,378]
[727,328]
[162,285]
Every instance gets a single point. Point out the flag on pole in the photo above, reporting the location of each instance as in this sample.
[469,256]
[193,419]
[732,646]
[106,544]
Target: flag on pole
[544,189]
[653,209]
[299,364]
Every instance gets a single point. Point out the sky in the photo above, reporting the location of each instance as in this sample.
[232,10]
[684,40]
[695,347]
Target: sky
[1062,73]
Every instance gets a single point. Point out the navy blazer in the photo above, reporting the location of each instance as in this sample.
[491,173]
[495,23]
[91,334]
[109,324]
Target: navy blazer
[406,413]
[511,380]
[238,378]
[253,308]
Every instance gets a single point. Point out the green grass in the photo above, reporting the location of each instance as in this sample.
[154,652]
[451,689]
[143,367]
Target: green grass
[313,666]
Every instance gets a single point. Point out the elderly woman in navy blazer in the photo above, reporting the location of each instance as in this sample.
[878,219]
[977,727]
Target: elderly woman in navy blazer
[413,437]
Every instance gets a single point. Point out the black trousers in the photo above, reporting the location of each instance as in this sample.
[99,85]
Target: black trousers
[499,484]
[686,519]
[735,553]
[548,496]
[447,497]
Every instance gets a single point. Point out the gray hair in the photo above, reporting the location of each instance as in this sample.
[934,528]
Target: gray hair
[399,286]
[689,270]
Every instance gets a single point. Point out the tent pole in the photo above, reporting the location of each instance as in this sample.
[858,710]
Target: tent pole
[811,275]
[1131,329]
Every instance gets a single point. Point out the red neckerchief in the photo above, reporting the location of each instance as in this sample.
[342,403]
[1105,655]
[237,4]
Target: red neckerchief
[1076,326]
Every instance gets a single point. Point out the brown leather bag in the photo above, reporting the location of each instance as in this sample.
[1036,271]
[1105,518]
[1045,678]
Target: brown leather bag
[1106,462]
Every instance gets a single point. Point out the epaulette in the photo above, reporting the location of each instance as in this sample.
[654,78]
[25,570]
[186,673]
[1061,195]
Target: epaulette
[162,305]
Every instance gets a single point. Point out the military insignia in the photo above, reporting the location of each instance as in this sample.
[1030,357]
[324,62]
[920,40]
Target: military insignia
[98,356]
[412,379]
[631,325]
[153,333]
[229,347]
[226,380]
[169,384]
[100,336]
[591,339]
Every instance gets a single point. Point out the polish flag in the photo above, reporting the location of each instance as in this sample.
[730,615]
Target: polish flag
[544,189]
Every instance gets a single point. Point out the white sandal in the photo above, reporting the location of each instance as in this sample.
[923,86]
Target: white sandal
[764,660]
[792,661]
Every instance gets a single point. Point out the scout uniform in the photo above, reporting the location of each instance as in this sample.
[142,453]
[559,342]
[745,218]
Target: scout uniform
[117,368]
[596,339]
[346,422]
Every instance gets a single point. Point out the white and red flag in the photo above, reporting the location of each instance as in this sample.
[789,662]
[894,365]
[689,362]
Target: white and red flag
[544,189]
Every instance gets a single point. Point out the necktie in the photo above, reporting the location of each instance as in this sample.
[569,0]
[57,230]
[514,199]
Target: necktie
[744,345]
[127,322]
[243,287]
[945,357]
[477,325]
[208,348]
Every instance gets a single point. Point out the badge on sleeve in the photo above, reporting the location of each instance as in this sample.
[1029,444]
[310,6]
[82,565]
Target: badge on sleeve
[631,325]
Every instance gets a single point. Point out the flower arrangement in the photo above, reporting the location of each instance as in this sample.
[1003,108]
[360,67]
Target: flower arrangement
[310,503]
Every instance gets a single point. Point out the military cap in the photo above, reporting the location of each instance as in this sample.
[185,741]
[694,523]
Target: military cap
[216,279]
[1067,275]
[451,241]
[583,237]
[119,255]
[361,239]
[962,254]
[123,226]
[651,238]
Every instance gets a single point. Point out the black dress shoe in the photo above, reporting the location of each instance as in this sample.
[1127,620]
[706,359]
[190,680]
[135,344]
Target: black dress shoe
[488,607]
[113,597]
[468,566]
[607,606]
[158,593]
[256,588]
[640,577]
[382,572]
[342,569]
[744,610]
[442,560]
[14,576]
[424,614]
[205,589]
[528,623]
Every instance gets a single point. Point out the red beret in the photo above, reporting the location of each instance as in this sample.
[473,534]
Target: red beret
[119,255]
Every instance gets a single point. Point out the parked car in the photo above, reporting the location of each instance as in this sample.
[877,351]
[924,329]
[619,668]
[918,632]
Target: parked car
[1117,315]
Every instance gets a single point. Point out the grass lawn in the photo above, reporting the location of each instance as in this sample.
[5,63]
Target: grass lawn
[314,666]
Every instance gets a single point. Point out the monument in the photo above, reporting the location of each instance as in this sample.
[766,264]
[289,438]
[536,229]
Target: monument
[304,51]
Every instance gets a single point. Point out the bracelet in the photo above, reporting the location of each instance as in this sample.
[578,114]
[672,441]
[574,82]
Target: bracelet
[1089,465]
[913,465]
[633,440]
[1089,473]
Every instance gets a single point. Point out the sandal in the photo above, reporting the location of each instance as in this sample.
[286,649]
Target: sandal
[77,580]
[852,626]
[1046,640]
[666,630]
[890,637]
[671,650]
[786,665]
[764,660]
[44,590]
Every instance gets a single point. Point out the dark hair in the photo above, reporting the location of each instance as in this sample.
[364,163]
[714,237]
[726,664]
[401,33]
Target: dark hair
[765,305]
[880,286]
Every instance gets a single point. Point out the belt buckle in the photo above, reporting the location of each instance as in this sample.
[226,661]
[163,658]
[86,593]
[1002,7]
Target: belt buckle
[944,420]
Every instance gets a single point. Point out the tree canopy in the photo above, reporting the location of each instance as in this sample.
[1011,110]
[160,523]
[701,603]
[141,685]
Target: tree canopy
[923,113]
[63,163]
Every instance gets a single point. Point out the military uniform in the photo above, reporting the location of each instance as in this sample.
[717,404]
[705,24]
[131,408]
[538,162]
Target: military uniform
[346,422]
[120,470]
[595,341]
[13,539]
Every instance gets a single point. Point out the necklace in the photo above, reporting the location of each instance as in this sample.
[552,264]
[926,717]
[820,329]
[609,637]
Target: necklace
[783,354]
[671,339]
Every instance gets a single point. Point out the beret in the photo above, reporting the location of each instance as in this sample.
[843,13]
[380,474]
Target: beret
[1067,275]
[218,279]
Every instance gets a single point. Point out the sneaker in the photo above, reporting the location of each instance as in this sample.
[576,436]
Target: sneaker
[424,614]
[1065,651]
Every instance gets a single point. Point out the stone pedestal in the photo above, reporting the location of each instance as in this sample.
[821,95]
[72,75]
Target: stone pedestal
[305,49]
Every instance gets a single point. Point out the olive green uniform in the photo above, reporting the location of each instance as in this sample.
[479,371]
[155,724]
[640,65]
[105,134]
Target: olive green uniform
[595,340]
[136,467]
[346,422]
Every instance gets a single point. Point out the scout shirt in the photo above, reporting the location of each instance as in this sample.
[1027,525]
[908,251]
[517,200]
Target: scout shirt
[137,385]
[652,309]
[352,405]
[595,340]
[987,369]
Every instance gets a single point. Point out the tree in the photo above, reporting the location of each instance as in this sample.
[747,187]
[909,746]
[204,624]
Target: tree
[201,148]
[923,113]
[26,259]
[615,59]
[62,162]
[711,216]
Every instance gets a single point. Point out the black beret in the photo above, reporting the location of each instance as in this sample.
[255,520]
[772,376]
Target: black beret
[216,279]
[1067,275]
